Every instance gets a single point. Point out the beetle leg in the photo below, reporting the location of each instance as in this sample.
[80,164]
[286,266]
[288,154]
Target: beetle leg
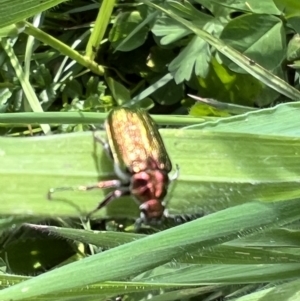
[102,185]
[183,218]
[99,185]
[109,198]
[140,221]
[104,144]
[143,219]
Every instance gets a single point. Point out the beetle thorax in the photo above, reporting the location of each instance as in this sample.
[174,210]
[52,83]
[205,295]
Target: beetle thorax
[149,184]
[149,187]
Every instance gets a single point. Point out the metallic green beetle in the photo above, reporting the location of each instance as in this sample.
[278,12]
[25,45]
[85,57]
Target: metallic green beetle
[141,163]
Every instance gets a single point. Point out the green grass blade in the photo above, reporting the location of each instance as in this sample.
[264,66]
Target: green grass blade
[146,253]
[24,81]
[85,118]
[63,48]
[216,171]
[100,27]
[13,11]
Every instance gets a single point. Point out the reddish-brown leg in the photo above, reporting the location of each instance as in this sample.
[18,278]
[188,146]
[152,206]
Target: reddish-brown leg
[109,198]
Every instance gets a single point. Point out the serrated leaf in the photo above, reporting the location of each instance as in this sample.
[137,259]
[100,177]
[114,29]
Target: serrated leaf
[169,30]
[194,57]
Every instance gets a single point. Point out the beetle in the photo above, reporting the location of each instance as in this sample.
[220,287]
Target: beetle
[141,163]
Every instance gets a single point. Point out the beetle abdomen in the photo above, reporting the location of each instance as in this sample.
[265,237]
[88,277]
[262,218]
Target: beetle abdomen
[135,141]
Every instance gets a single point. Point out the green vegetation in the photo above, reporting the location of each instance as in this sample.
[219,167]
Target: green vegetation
[222,79]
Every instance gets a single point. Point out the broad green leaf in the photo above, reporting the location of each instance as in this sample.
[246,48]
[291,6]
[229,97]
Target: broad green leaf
[259,37]
[225,85]
[169,94]
[288,7]
[218,170]
[122,28]
[294,22]
[120,93]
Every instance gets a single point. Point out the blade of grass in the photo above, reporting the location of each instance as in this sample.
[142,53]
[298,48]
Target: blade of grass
[85,118]
[282,120]
[100,27]
[217,171]
[13,11]
[62,48]
[138,256]
[24,81]
[223,254]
